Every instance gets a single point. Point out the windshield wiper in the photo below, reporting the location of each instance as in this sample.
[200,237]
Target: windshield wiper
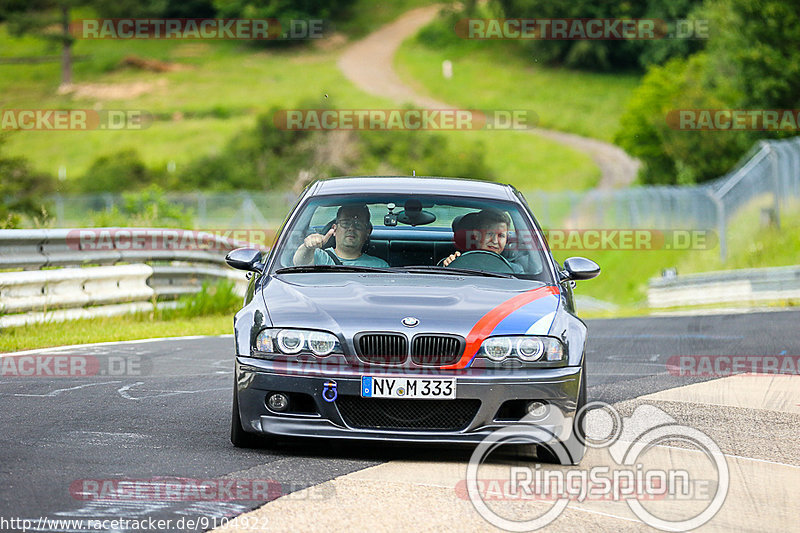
[330,268]
[450,270]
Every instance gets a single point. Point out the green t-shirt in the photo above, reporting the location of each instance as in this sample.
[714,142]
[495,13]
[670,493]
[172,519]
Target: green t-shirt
[322,258]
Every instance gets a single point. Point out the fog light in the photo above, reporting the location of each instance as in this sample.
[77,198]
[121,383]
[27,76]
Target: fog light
[536,409]
[278,402]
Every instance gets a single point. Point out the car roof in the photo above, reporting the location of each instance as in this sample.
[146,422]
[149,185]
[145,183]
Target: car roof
[415,185]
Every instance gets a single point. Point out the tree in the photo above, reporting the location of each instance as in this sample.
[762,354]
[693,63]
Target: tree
[605,54]
[47,19]
[50,19]
[752,61]
[761,45]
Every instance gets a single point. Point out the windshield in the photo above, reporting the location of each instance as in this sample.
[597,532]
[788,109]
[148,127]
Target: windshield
[416,234]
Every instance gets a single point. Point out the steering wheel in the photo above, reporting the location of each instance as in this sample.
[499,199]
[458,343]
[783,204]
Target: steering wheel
[483,260]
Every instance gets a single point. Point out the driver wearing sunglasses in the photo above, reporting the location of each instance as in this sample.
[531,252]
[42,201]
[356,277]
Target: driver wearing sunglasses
[350,231]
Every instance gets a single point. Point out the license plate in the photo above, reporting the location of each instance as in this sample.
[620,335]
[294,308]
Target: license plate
[408,388]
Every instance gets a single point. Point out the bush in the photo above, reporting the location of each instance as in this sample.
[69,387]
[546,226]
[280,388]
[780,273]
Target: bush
[261,158]
[21,192]
[147,208]
[428,153]
[267,157]
[217,298]
[673,156]
[120,171]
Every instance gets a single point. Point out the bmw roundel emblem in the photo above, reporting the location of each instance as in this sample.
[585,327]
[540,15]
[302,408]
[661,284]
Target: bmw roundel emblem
[410,322]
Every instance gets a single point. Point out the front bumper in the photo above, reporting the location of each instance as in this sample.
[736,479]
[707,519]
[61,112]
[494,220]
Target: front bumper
[256,378]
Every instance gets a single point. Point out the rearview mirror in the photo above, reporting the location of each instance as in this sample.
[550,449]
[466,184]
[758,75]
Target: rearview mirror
[578,268]
[245,259]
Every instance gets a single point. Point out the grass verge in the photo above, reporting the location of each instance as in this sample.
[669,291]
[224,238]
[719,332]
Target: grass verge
[106,329]
[625,273]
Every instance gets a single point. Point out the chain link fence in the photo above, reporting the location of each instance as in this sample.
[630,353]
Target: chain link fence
[770,168]
[208,210]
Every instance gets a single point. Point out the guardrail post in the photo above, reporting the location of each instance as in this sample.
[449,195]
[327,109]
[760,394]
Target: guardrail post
[721,227]
[776,184]
[59,201]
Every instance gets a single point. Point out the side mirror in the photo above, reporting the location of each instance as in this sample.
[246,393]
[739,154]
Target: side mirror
[245,259]
[577,268]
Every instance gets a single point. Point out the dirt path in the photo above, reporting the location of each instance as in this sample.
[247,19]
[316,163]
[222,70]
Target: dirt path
[369,64]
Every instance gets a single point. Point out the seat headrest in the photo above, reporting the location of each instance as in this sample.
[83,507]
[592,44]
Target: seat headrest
[463,226]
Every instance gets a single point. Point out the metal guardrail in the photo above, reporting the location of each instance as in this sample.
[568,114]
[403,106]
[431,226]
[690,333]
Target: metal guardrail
[70,273]
[36,249]
[74,287]
[733,286]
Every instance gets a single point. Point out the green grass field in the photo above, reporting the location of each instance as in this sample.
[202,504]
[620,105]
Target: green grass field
[495,77]
[218,91]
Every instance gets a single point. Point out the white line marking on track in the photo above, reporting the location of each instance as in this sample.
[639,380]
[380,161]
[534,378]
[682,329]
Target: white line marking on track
[742,457]
[123,391]
[59,391]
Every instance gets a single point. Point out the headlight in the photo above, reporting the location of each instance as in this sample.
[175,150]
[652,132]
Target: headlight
[296,342]
[291,341]
[497,348]
[321,343]
[530,348]
[526,348]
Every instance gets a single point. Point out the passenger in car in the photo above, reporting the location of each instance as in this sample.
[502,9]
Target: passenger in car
[484,230]
[350,232]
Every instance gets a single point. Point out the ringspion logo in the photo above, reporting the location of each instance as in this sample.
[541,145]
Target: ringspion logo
[634,472]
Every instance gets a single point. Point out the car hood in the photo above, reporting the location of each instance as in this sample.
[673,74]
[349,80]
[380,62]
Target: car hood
[349,303]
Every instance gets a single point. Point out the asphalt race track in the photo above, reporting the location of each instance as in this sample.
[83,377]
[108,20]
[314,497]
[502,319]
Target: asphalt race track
[162,408]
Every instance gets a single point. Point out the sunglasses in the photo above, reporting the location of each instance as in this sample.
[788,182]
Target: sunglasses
[350,223]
